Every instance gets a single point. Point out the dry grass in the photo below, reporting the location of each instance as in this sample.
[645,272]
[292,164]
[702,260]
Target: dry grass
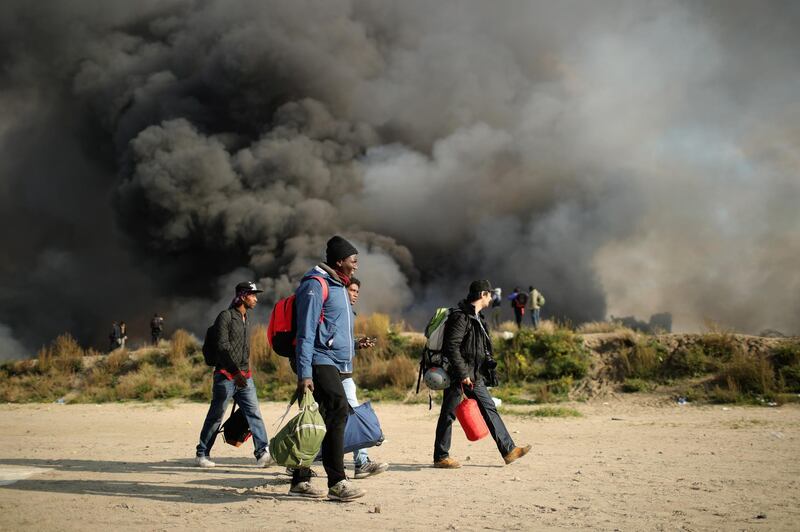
[181,346]
[595,327]
[373,370]
[261,353]
[641,360]
[377,325]
[550,326]
[508,326]
[63,355]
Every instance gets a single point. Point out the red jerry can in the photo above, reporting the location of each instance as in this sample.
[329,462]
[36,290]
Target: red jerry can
[469,415]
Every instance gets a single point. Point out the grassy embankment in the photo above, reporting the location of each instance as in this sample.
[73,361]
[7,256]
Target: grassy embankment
[550,365]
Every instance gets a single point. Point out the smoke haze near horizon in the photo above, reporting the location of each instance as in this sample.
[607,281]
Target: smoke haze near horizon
[624,157]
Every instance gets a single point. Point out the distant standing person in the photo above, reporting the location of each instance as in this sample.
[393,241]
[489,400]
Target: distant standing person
[156,328]
[233,378]
[519,301]
[363,465]
[123,334]
[536,303]
[468,347]
[497,300]
[114,337]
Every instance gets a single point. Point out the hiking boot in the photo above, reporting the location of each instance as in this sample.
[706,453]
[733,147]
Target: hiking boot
[447,463]
[203,461]
[371,468]
[305,489]
[345,491]
[265,460]
[516,453]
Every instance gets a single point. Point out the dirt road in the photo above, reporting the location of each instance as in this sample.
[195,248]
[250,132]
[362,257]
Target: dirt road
[632,464]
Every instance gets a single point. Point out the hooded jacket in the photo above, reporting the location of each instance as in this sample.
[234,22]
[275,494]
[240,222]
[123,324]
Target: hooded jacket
[328,341]
[466,342]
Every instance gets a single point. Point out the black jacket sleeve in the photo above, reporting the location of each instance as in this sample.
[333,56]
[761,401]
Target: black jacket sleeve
[454,331]
[224,347]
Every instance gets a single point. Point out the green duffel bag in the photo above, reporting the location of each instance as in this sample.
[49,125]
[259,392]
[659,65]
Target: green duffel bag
[298,443]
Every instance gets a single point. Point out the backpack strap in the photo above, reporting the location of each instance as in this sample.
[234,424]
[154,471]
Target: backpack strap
[321,280]
[324,285]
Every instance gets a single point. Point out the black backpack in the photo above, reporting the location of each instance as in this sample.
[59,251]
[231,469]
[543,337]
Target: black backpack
[521,300]
[210,345]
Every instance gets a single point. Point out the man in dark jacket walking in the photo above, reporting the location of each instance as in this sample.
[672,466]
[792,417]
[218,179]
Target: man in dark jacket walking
[233,378]
[468,347]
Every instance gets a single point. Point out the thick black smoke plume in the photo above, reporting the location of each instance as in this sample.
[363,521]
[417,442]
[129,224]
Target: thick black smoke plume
[625,157]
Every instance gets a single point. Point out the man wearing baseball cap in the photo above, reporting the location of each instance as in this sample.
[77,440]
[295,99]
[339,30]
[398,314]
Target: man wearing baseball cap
[233,378]
[468,347]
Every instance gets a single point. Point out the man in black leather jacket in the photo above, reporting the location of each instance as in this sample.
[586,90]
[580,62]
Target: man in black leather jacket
[468,347]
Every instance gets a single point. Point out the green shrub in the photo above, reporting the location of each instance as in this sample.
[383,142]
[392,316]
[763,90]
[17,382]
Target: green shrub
[748,374]
[786,355]
[790,378]
[542,354]
[637,385]
[689,362]
[719,345]
[642,359]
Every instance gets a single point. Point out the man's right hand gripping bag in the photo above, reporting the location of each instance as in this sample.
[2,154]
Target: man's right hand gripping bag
[299,441]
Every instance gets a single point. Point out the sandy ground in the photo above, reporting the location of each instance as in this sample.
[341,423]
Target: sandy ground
[632,464]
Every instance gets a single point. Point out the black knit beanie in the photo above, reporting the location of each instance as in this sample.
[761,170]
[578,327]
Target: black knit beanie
[338,248]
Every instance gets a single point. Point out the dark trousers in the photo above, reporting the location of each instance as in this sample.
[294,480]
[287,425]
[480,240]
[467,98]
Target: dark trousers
[444,428]
[329,393]
[518,316]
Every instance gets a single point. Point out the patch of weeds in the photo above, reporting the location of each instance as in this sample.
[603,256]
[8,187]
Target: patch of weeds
[391,393]
[642,359]
[719,345]
[637,385]
[690,362]
[544,411]
[543,354]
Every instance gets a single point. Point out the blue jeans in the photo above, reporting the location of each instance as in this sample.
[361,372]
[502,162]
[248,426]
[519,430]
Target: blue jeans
[360,456]
[246,398]
[535,317]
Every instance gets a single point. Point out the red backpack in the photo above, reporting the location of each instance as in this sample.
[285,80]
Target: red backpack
[282,329]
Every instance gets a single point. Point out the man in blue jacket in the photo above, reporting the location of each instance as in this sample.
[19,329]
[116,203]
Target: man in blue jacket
[325,348]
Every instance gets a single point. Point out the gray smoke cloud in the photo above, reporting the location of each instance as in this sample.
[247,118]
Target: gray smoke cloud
[624,157]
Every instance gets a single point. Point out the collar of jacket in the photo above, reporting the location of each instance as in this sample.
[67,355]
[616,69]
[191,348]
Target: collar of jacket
[236,314]
[331,272]
[468,308]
